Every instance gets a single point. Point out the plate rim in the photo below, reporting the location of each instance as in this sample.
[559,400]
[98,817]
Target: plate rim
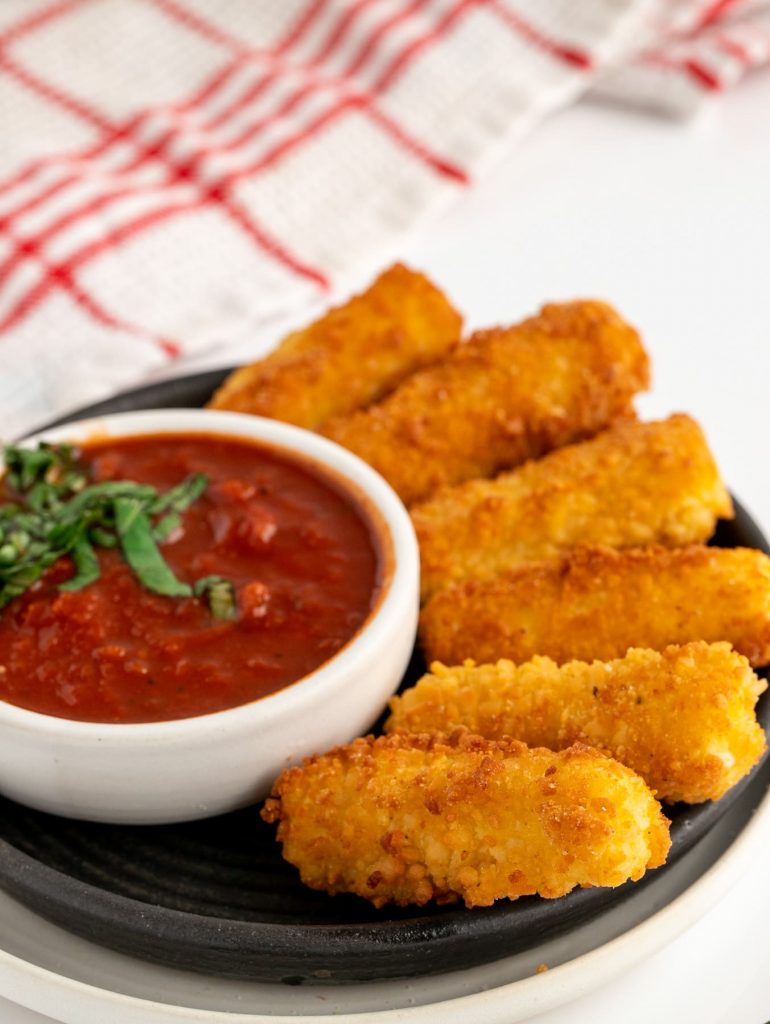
[40,989]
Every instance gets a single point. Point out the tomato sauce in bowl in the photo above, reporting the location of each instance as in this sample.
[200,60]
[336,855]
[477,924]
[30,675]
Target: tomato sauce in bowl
[301,553]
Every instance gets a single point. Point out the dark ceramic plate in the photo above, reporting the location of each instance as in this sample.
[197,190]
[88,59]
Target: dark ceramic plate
[215,896]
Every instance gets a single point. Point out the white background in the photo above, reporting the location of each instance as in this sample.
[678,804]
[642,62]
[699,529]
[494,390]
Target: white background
[670,223]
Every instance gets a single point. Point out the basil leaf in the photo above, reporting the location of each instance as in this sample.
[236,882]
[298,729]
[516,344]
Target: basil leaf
[178,498]
[103,537]
[27,465]
[86,566]
[166,526]
[220,595]
[141,552]
[111,489]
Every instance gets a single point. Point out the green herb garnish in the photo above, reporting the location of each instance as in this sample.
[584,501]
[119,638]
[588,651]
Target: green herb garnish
[220,594]
[59,513]
[142,553]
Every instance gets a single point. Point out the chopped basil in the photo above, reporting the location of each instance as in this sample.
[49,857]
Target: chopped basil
[220,594]
[141,552]
[59,513]
[178,498]
[166,526]
[86,565]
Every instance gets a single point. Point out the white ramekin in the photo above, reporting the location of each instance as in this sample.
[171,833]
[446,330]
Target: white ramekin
[197,767]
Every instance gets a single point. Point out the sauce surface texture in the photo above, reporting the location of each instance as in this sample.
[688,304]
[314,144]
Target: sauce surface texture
[301,555]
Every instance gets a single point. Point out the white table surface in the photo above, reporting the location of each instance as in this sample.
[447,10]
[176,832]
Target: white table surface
[671,223]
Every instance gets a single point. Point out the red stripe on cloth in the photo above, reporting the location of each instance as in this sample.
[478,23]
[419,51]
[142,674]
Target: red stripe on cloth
[214,33]
[211,85]
[694,69]
[34,244]
[293,37]
[713,12]
[438,163]
[348,103]
[296,31]
[37,19]
[87,302]
[568,54]
[399,64]
[58,274]
[707,78]
[53,94]
[415,148]
[302,23]
[340,29]
[239,216]
[63,272]
[373,41]
[33,201]
[289,143]
[361,102]
[734,49]
[249,96]
[28,172]
[335,37]
[117,134]
[207,29]
[63,278]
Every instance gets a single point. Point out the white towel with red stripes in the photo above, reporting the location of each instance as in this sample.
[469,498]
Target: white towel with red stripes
[174,172]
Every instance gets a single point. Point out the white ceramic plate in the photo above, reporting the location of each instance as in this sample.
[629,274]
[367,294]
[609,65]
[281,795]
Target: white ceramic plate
[48,970]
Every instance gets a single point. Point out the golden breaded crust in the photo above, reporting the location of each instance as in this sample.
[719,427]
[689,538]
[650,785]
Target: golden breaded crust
[683,718]
[352,356]
[505,396]
[636,484]
[406,819]
[598,602]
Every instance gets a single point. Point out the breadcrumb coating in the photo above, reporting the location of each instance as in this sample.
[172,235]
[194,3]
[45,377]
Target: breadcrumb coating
[597,603]
[682,718]
[352,356]
[635,484]
[407,819]
[505,396]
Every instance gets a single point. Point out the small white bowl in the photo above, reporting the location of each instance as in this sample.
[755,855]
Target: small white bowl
[192,768]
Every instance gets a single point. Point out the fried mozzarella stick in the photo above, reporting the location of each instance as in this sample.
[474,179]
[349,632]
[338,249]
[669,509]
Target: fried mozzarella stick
[406,819]
[597,603]
[505,396]
[683,719]
[352,356]
[636,484]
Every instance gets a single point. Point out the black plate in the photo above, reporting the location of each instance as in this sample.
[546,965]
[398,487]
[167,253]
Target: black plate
[215,896]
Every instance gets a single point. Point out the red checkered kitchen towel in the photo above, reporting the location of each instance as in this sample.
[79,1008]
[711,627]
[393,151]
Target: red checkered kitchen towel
[173,172]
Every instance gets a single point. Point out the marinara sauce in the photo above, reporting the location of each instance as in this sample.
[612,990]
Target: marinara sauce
[302,556]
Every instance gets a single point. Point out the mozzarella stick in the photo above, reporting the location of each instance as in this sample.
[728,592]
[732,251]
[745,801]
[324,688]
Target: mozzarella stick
[406,819]
[636,484]
[505,396]
[683,718]
[352,356]
[598,602]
